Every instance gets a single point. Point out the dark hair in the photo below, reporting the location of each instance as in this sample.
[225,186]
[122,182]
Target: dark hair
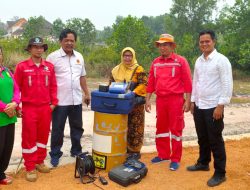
[65,32]
[210,32]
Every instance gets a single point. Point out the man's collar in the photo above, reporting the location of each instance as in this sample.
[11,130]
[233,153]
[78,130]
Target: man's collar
[210,56]
[172,56]
[63,53]
[31,62]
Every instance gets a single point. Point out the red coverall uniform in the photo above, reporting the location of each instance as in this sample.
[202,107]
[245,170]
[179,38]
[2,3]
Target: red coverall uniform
[169,78]
[38,90]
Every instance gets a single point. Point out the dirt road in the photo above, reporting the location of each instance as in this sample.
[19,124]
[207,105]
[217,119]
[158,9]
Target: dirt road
[237,125]
[159,176]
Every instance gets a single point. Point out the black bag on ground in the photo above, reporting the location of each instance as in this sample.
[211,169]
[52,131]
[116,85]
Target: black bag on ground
[132,171]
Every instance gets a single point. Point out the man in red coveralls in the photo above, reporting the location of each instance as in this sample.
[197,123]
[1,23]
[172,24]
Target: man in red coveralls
[170,79]
[37,82]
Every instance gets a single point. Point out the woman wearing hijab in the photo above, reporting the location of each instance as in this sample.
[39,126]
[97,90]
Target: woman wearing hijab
[129,71]
[9,99]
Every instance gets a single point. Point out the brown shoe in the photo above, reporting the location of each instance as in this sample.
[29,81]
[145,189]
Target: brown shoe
[42,168]
[31,176]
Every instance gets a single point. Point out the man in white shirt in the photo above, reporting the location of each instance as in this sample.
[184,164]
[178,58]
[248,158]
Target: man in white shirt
[70,75]
[212,90]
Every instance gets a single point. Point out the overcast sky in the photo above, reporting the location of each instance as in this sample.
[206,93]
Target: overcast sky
[100,12]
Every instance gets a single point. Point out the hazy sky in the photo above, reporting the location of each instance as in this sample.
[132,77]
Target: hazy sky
[100,12]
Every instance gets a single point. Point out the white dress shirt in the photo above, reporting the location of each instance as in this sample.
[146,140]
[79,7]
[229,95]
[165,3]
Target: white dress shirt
[68,71]
[212,81]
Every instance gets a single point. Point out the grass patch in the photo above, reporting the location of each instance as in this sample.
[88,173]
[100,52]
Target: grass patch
[241,87]
[93,83]
[241,92]
[237,100]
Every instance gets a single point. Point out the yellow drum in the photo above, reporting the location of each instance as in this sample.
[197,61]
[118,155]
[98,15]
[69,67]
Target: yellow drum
[109,140]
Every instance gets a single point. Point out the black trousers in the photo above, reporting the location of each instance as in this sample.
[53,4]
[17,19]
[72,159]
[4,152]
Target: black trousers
[7,135]
[59,116]
[209,132]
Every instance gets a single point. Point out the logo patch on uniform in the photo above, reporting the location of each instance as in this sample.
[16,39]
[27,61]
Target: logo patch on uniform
[28,70]
[46,68]
[78,61]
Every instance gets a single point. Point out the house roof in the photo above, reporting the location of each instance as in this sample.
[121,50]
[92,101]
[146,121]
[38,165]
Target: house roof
[16,28]
[20,22]
[10,23]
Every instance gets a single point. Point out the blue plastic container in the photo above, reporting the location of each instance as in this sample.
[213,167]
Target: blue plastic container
[107,102]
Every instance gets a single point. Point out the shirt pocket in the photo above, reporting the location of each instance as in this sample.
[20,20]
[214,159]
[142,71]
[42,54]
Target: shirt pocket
[175,71]
[30,79]
[45,79]
[167,71]
[77,70]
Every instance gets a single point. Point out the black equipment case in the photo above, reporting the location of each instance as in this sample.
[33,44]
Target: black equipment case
[130,172]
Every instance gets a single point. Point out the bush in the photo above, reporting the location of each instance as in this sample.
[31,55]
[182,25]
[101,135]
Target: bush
[12,59]
[100,61]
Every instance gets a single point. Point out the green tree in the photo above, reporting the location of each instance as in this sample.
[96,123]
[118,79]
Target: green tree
[118,19]
[234,25]
[186,19]
[105,34]
[13,51]
[155,24]
[101,60]
[244,56]
[191,15]
[187,47]
[2,32]
[2,29]
[57,27]
[84,29]
[37,26]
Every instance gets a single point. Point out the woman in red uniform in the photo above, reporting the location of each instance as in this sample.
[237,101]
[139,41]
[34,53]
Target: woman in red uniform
[37,82]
